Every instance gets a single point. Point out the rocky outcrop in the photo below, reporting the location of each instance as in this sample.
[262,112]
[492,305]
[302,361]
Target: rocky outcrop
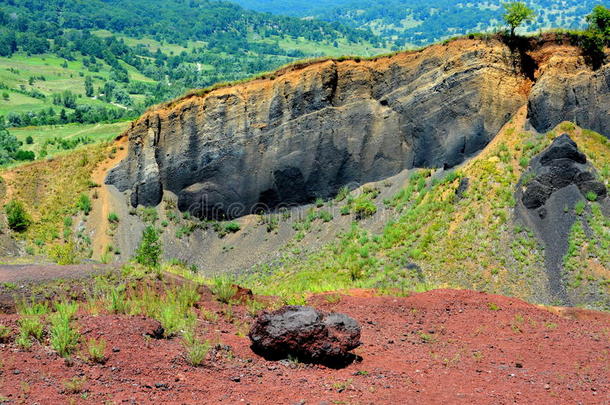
[307,334]
[559,166]
[557,179]
[305,131]
[308,130]
[567,89]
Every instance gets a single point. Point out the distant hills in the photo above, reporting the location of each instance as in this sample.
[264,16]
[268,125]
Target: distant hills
[416,22]
[70,61]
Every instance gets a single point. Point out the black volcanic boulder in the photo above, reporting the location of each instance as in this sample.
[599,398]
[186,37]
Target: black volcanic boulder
[558,166]
[307,334]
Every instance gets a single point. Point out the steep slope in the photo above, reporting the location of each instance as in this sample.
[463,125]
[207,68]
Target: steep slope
[304,132]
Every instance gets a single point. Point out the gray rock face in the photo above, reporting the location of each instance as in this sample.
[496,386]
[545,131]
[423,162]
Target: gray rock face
[559,166]
[307,334]
[571,92]
[308,130]
[311,130]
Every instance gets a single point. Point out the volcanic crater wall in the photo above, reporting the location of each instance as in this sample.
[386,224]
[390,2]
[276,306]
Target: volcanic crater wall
[309,130]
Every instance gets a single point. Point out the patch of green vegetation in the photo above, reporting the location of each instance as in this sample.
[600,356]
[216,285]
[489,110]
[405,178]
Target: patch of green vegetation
[16,216]
[149,251]
[468,242]
[223,289]
[49,141]
[84,204]
[96,350]
[64,337]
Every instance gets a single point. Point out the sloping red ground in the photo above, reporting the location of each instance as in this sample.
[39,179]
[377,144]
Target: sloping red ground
[440,347]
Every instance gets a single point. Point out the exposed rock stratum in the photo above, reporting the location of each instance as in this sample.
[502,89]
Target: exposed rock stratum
[306,131]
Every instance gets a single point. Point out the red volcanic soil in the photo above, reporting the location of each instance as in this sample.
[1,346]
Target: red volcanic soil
[440,347]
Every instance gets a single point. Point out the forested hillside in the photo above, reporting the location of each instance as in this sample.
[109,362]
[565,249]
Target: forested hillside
[416,23]
[86,62]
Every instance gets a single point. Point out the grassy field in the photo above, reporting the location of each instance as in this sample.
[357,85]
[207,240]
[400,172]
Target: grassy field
[15,73]
[95,132]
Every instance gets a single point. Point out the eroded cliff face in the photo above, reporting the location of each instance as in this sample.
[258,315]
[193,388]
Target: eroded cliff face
[309,130]
[567,89]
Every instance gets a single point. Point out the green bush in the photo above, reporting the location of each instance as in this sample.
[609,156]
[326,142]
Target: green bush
[579,208]
[17,217]
[96,349]
[342,194]
[149,251]
[363,207]
[116,300]
[223,289]
[64,339]
[63,253]
[196,350]
[232,227]
[29,140]
[25,155]
[84,204]
[113,218]
[591,196]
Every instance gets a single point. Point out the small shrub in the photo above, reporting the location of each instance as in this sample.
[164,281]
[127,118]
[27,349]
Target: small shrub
[63,253]
[523,162]
[319,202]
[254,307]
[17,217]
[149,215]
[579,207]
[342,194]
[271,221]
[113,218]
[84,204]
[5,333]
[74,385]
[116,300]
[325,216]
[24,341]
[363,207]
[64,338]
[149,251]
[232,227]
[591,196]
[223,289]
[29,140]
[196,350]
[31,326]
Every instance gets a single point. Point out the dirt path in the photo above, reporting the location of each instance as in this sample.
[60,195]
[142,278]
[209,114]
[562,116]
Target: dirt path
[16,274]
[102,206]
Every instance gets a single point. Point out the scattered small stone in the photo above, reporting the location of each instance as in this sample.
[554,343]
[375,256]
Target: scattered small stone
[16,372]
[236,379]
[116,350]
[519,365]
[547,387]
[161,386]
